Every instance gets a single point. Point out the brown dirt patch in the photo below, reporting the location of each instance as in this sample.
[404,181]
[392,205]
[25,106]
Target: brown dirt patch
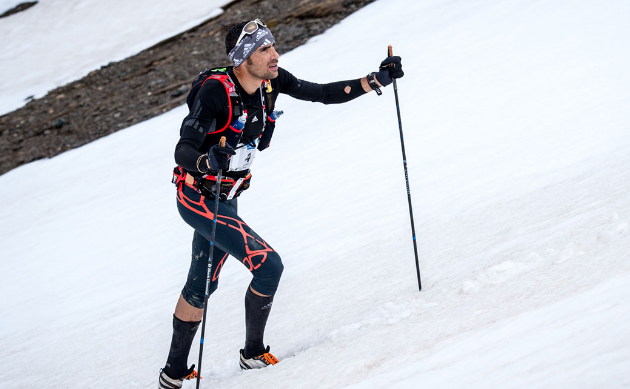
[152,82]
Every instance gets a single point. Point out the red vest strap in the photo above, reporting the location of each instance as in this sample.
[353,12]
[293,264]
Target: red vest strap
[230,90]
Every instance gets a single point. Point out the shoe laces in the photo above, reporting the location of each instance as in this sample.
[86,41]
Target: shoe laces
[191,374]
[269,359]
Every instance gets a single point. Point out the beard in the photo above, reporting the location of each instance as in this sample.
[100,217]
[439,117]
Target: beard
[261,71]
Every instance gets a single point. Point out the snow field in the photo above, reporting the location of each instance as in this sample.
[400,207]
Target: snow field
[56,42]
[6,5]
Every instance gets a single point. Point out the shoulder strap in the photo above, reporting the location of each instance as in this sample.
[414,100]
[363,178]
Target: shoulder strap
[232,94]
[235,104]
[268,98]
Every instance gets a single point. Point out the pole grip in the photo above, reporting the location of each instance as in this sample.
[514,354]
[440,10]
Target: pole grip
[222,141]
[390,52]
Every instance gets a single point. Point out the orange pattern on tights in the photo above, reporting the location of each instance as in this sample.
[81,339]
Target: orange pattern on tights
[256,255]
[218,268]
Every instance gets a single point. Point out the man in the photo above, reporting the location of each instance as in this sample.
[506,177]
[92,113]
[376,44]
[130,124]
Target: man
[217,101]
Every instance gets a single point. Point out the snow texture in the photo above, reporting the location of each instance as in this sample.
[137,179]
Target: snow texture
[516,127]
[6,5]
[59,41]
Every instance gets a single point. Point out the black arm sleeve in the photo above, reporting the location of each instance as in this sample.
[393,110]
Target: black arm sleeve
[331,93]
[202,116]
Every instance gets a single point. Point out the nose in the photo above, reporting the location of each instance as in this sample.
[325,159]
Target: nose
[274,53]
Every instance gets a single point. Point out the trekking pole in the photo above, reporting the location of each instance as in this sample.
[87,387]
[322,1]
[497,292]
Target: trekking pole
[214,231]
[402,145]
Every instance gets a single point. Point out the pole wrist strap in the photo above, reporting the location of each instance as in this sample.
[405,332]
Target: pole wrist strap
[372,82]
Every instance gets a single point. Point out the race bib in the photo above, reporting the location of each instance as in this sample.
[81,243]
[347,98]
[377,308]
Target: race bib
[244,156]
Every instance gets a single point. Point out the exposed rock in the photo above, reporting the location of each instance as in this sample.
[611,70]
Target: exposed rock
[152,82]
[18,8]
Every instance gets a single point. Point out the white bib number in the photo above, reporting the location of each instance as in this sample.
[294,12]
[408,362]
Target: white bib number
[244,156]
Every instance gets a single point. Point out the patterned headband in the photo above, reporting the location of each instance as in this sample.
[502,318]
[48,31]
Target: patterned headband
[249,44]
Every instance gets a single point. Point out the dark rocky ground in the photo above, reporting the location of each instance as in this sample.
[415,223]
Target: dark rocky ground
[154,81]
[18,8]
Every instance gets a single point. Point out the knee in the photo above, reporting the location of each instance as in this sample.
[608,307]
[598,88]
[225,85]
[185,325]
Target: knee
[276,267]
[267,277]
[196,297]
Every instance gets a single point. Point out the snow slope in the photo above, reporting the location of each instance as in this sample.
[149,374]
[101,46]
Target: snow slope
[6,5]
[58,41]
[516,127]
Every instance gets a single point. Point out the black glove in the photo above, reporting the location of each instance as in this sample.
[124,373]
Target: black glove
[390,68]
[219,157]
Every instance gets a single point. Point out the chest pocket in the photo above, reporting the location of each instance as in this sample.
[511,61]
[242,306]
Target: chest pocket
[254,126]
[248,144]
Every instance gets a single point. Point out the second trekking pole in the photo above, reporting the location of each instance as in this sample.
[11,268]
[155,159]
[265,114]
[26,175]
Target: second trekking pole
[402,145]
[211,253]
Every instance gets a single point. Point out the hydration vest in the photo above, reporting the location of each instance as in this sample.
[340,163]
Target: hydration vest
[232,184]
[235,107]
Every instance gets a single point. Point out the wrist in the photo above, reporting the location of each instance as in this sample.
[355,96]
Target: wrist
[203,164]
[373,83]
[365,85]
[376,80]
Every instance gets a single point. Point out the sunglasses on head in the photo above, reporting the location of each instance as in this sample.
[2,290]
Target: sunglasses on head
[249,29]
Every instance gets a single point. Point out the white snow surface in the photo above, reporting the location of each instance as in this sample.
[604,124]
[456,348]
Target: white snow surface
[59,41]
[6,5]
[516,117]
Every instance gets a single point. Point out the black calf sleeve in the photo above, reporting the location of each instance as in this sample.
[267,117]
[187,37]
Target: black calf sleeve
[257,310]
[183,335]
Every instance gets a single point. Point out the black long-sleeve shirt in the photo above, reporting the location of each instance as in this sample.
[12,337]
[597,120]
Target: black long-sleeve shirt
[209,111]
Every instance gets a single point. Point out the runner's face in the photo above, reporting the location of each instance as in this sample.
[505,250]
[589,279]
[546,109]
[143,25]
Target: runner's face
[263,63]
